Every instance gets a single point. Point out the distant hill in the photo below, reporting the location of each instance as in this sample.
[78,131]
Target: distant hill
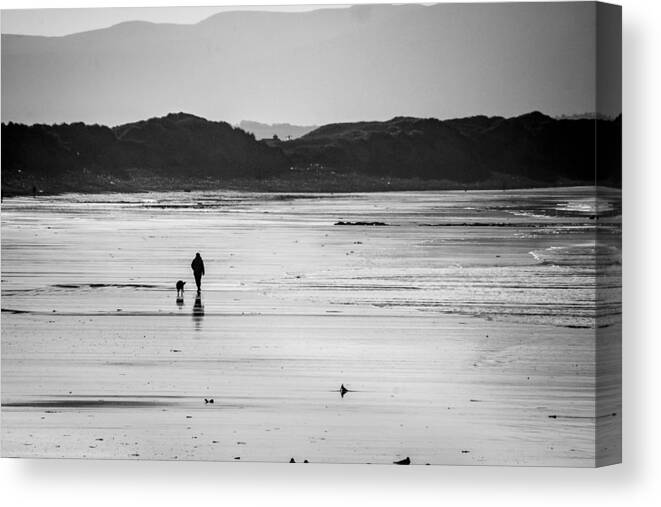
[186,144]
[401,147]
[180,150]
[283,131]
[75,156]
[533,146]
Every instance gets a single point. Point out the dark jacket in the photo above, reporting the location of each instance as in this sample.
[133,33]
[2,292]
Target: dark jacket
[197,265]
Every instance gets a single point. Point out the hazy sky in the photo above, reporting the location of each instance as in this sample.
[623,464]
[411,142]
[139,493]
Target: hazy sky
[57,22]
[305,67]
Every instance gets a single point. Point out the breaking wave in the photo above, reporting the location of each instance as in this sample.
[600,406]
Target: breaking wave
[579,255]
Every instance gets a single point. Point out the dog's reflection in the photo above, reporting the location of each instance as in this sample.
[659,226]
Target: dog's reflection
[180,293]
[198,311]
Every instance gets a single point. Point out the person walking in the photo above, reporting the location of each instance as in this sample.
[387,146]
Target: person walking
[198,270]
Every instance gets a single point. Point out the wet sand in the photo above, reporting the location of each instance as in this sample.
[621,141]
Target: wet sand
[464,328]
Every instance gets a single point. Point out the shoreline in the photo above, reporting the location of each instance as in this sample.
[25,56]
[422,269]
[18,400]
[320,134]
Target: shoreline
[335,183]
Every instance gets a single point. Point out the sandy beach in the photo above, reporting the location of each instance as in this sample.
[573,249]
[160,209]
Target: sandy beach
[466,327]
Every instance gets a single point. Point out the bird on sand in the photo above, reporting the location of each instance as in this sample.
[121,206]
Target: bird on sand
[405,461]
[210,400]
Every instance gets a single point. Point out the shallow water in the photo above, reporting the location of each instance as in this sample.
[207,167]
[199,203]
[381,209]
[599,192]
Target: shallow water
[467,323]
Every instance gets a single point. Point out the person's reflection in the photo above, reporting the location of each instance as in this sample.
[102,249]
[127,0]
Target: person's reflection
[180,303]
[198,311]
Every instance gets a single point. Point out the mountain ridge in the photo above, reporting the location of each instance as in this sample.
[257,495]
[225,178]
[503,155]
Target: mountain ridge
[308,68]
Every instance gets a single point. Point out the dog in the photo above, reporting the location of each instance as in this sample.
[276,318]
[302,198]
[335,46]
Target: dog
[180,289]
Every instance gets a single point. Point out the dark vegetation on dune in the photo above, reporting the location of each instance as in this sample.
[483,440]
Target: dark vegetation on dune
[177,145]
[533,147]
[182,151]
